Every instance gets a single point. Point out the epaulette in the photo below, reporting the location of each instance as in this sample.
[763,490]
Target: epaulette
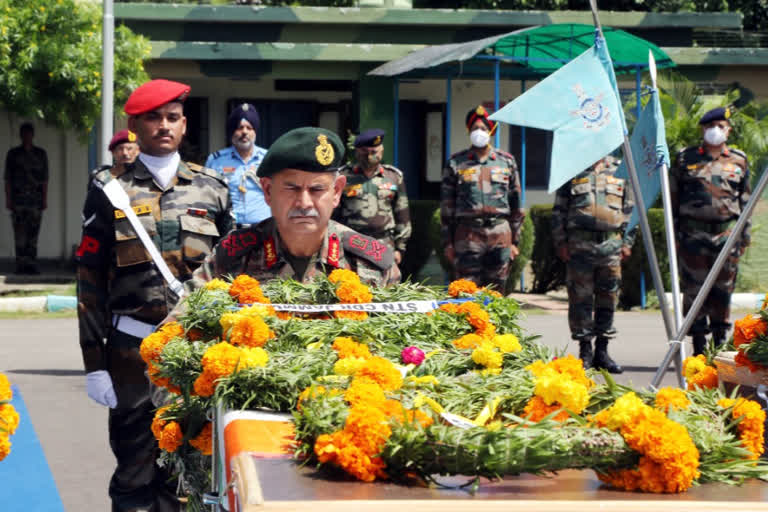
[374,251]
[97,170]
[206,170]
[108,173]
[738,152]
[392,168]
[505,154]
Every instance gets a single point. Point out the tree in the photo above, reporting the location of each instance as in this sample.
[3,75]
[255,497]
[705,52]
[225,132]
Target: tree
[50,61]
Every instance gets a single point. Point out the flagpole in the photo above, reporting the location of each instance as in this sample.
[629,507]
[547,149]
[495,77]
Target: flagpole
[640,204]
[669,228]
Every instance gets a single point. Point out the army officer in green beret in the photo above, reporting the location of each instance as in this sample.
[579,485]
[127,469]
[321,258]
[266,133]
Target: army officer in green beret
[302,185]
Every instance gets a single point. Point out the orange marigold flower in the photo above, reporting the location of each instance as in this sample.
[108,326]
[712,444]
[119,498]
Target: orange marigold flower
[470,340]
[250,331]
[747,329]
[537,409]
[350,292]
[705,379]
[171,437]
[5,388]
[381,371]
[492,293]
[741,359]
[347,347]
[163,382]
[5,446]
[223,359]
[247,290]
[284,315]
[450,308]
[203,442]
[158,422]
[351,315]
[152,346]
[671,398]
[342,274]
[752,425]
[462,286]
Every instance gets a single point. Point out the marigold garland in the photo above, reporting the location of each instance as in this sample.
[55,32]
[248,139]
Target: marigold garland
[752,425]
[698,373]
[671,398]
[203,442]
[669,460]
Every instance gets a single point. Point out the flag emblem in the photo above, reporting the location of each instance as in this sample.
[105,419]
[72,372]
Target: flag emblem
[592,111]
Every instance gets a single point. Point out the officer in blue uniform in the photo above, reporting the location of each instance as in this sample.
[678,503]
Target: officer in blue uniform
[238,165]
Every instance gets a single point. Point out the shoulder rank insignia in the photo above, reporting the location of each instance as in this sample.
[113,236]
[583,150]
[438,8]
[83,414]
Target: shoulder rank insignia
[270,252]
[369,249]
[141,209]
[238,241]
[333,250]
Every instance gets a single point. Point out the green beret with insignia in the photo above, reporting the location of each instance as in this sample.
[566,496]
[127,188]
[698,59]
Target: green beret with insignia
[306,149]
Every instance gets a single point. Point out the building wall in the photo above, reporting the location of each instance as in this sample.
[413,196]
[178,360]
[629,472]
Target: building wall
[68,165]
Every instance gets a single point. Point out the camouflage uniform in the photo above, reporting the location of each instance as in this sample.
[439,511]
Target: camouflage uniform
[376,206]
[590,216]
[708,195]
[119,284]
[26,174]
[481,215]
[256,251]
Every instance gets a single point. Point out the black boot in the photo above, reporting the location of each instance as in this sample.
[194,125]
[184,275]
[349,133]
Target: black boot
[585,353]
[602,360]
[699,344]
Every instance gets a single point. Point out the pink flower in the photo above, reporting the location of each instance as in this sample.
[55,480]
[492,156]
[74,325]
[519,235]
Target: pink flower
[412,355]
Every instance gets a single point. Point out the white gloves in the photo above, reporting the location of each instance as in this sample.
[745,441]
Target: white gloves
[100,389]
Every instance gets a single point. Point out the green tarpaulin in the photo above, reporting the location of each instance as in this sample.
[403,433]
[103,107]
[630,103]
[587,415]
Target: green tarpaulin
[528,53]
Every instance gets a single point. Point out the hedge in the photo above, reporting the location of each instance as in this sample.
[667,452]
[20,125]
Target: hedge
[549,271]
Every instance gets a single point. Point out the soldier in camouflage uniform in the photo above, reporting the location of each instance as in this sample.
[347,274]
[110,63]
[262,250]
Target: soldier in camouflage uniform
[26,191]
[589,220]
[709,186]
[374,201]
[480,207]
[122,296]
[301,184]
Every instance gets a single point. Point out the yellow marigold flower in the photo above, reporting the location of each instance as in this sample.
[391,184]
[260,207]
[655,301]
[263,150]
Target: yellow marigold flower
[227,320]
[217,284]
[258,310]
[468,341]
[462,286]
[250,331]
[537,367]
[9,419]
[507,343]
[204,440]
[381,371]
[5,446]
[554,387]
[363,390]
[5,388]
[347,347]
[693,365]
[342,274]
[671,398]
[486,355]
[253,357]
[624,410]
[171,437]
[348,365]
[223,359]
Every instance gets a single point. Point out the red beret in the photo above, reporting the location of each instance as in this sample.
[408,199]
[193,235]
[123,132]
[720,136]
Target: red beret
[154,94]
[120,137]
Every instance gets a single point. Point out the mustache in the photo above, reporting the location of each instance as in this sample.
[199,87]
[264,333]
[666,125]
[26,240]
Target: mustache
[302,212]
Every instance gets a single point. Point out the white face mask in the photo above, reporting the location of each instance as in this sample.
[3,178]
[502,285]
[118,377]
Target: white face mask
[479,138]
[714,136]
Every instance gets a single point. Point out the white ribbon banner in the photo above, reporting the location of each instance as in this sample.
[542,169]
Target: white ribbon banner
[408,306]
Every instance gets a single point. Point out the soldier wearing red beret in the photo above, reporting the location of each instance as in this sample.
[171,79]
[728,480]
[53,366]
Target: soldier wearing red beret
[124,147]
[123,294]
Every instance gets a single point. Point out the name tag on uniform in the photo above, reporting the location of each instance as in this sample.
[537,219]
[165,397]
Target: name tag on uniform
[198,212]
[692,167]
[579,181]
[138,210]
[468,172]
[227,170]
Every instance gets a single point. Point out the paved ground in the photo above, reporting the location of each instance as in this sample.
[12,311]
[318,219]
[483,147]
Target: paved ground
[42,357]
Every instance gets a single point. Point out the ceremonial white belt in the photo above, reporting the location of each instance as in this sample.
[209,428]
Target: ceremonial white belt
[129,325]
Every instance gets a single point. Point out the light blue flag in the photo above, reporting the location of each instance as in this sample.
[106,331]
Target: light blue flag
[580,104]
[649,149]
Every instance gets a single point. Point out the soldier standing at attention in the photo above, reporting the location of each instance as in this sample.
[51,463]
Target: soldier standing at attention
[374,201]
[26,193]
[121,293]
[302,184]
[589,219]
[709,186]
[238,165]
[480,207]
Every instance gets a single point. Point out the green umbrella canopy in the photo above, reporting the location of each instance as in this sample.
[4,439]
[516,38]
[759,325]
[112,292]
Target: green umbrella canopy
[528,53]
